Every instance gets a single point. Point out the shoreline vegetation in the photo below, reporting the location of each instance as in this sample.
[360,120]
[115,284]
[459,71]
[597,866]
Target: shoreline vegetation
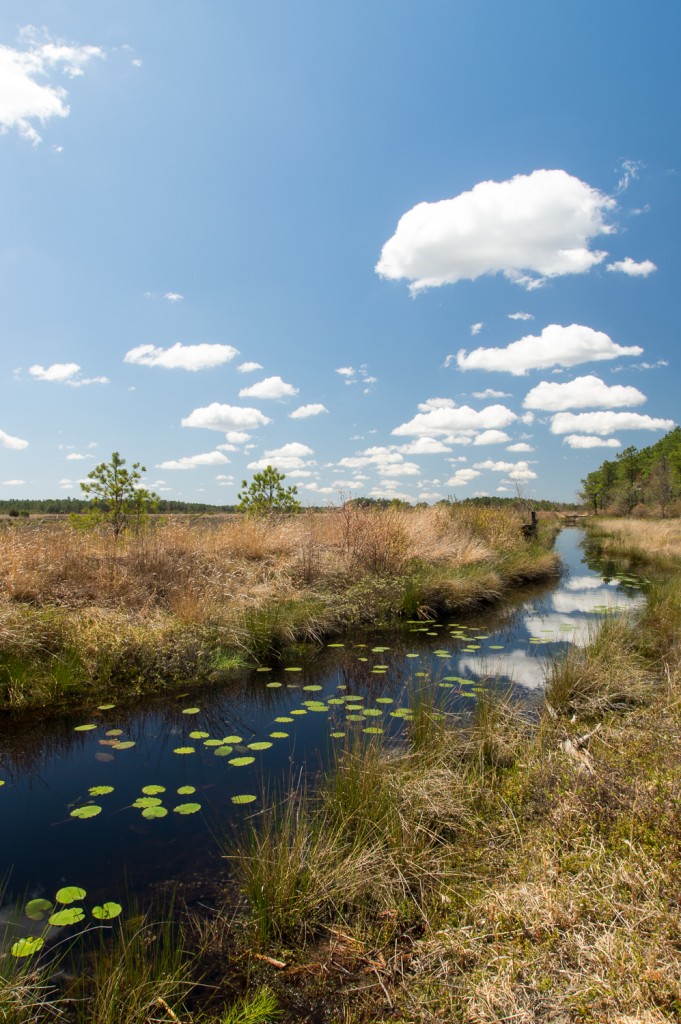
[84,616]
[513,867]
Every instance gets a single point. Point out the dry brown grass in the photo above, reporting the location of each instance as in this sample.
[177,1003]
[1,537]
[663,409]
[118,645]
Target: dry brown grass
[657,539]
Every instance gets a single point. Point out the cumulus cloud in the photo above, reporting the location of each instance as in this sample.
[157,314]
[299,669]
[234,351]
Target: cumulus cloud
[182,357]
[521,446]
[436,403]
[555,346]
[476,328]
[387,461]
[490,393]
[192,461]
[249,367]
[605,422]
[64,373]
[455,421]
[462,477]
[27,94]
[304,411]
[270,387]
[423,446]
[491,437]
[529,228]
[515,470]
[173,297]
[581,393]
[237,436]
[226,418]
[520,316]
[585,441]
[291,456]
[631,268]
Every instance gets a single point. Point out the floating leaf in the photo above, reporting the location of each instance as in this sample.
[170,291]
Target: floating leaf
[293,668]
[36,909]
[124,745]
[496,647]
[337,735]
[279,735]
[84,728]
[244,798]
[274,686]
[153,790]
[299,711]
[382,666]
[146,801]
[154,812]
[70,894]
[2,782]
[312,687]
[231,739]
[331,700]
[373,729]
[319,707]
[259,745]
[113,732]
[190,711]
[354,718]
[223,751]
[384,700]
[105,707]
[184,750]
[74,915]
[88,811]
[197,734]
[186,790]
[213,743]
[100,756]
[107,911]
[187,808]
[27,947]
[371,712]
[100,790]
[413,655]
[262,668]
[239,762]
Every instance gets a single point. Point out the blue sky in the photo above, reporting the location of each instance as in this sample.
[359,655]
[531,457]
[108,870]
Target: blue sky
[394,249]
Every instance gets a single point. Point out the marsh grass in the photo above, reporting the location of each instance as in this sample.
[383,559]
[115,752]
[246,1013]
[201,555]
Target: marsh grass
[654,541]
[79,615]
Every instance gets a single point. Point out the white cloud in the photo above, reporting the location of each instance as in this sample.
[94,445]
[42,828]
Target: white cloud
[23,97]
[15,443]
[225,418]
[496,467]
[173,297]
[386,459]
[13,483]
[292,448]
[446,420]
[631,268]
[641,366]
[237,436]
[515,470]
[192,461]
[346,371]
[520,316]
[249,367]
[270,387]
[462,477]
[555,346]
[629,171]
[423,446]
[491,437]
[476,328]
[605,422]
[436,403]
[76,457]
[490,393]
[581,393]
[537,224]
[291,456]
[585,441]
[59,372]
[182,357]
[304,411]
[521,446]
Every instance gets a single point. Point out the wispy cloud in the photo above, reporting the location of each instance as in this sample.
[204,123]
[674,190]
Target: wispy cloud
[64,373]
[303,412]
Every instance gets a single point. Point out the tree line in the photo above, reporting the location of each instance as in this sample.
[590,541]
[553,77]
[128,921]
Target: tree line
[646,479]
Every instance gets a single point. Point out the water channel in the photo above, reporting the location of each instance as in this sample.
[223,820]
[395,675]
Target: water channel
[154,785]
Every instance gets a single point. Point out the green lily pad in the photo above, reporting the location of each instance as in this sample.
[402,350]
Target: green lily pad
[293,668]
[124,745]
[88,811]
[262,668]
[70,894]
[105,707]
[384,700]
[372,712]
[223,750]
[186,790]
[413,655]
[279,735]
[154,812]
[184,750]
[36,909]
[84,728]
[240,762]
[283,718]
[335,645]
[299,711]
[312,687]
[191,711]
[337,735]
[231,739]
[197,734]
[100,790]
[274,686]
[113,732]
[259,745]
[107,911]
[153,790]
[373,729]
[73,915]
[213,743]
[146,801]
[187,808]
[28,946]
[244,798]
[354,718]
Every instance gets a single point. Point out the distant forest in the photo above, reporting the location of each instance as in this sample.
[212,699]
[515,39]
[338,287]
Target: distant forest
[64,506]
[638,482]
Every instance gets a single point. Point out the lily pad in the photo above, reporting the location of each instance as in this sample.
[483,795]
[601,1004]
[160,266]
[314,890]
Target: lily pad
[154,812]
[184,750]
[124,745]
[107,911]
[337,735]
[213,743]
[186,790]
[373,729]
[190,711]
[231,739]
[263,668]
[146,801]
[312,687]
[274,686]
[259,745]
[36,909]
[73,915]
[299,711]
[293,668]
[85,728]
[113,732]
[224,750]
[244,798]
[187,808]
[240,762]
[279,735]
[105,707]
[197,734]
[153,790]
[100,790]
[28,946]
[88,811]
[283,718]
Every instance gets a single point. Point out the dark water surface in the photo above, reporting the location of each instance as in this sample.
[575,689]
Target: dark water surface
[48,766]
